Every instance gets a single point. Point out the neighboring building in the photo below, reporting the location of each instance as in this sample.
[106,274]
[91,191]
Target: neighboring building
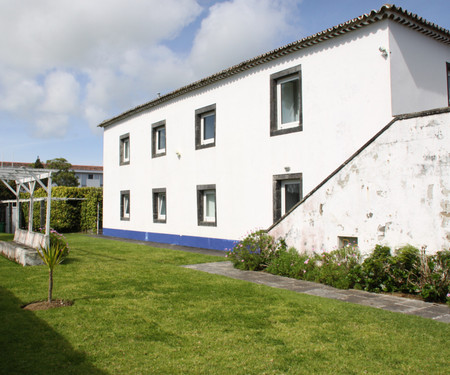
[88,175]
[205,164]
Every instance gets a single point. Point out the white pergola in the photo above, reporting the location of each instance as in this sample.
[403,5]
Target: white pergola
[26,179]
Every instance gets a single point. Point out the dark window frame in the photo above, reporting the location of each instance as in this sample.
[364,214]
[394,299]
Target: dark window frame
[121,149]
[198,127]
[295,71]
[155,194]
[124,193]
[155,127]
[448,83]
[200,206]
[277,182]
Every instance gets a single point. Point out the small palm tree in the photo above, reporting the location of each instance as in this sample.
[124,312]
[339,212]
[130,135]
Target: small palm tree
[52,256]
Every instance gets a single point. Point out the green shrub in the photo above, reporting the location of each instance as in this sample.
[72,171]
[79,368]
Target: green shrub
[408,271]
[434,280]
[373,271]
[256,251]
[404,269]
[340,268]
[290,263]
[70,215]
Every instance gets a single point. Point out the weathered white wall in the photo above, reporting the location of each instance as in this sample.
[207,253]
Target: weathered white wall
[396,192]
[418,81]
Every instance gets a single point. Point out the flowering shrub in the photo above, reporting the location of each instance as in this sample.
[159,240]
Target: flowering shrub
[340,268]
[256,251]
[58,240]
[292,264]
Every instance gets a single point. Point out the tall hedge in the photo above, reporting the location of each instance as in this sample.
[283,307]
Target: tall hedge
[70,215]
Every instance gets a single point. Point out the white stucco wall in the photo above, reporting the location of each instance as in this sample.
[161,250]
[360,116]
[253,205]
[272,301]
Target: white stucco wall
[396,192]
[346,99]
[418,69]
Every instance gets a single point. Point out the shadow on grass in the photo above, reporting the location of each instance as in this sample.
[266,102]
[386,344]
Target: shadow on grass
[28,345]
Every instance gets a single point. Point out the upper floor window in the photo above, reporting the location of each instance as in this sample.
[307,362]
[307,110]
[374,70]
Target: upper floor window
[287,192]
[125,205]
[125,149]
[206,205]
[205,127]
[90,176]
[286,101]
[159,139]
[159,206]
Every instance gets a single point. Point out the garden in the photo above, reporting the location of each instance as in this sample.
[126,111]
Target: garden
[137,311]
[407,271]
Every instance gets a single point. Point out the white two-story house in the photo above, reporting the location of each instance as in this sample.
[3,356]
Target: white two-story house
[207,163]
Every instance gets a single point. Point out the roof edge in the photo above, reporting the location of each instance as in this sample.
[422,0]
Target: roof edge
[387,11]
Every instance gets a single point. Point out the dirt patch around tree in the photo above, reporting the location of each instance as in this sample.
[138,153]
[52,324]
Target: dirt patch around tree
[45,305]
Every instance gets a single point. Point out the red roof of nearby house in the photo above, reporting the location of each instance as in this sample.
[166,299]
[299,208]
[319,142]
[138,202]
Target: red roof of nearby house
[86,168]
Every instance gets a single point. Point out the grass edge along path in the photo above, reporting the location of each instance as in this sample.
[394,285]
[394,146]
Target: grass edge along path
[137,311]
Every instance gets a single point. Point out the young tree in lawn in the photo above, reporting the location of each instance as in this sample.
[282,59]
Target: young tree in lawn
[53,255]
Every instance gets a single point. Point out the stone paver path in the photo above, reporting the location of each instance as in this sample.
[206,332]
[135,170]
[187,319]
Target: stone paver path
[438,312]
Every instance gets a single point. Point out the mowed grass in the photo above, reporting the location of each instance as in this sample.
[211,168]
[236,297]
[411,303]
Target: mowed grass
[137,311]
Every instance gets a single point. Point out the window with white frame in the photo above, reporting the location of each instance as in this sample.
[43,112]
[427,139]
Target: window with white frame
[125,205]
[206,205]
[159,206]
[286,101]
[125,149]
[159,139]
[205,127]
[287,192]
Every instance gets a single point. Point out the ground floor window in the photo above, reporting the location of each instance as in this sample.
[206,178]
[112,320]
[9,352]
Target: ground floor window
[206,205]
[159,205]
[287,192]
[125,205]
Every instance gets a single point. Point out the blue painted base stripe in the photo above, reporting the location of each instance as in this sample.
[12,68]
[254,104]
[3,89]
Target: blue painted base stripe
[173,239]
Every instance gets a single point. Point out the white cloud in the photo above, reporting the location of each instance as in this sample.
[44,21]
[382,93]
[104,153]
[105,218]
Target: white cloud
[51,126]
[63,62]
[240,29]
[19,94]
[61,93]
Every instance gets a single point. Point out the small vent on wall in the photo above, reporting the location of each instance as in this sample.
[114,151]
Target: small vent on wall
[347,241]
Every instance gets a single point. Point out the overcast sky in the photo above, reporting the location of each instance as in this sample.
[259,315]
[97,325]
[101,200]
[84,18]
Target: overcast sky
[65,65]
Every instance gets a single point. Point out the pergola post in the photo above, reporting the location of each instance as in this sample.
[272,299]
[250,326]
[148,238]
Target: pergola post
[31,185]
[47,214]
[18,207]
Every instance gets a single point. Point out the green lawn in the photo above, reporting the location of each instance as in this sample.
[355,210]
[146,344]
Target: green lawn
[137,311]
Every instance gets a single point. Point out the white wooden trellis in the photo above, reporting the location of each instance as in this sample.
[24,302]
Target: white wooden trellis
[26,179]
